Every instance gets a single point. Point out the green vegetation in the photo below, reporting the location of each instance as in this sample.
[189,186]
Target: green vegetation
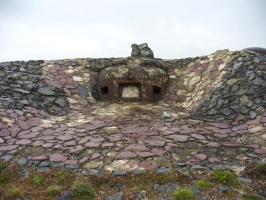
[83,190]
[54,190]
[184,194]
[250,197]
[4,179]
[261,169]
[204,184]
[14,193]
[38,180]
[3,166]
[63,177]
[225,177]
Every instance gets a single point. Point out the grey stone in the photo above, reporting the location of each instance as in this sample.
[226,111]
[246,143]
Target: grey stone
[61,102]
[46,91]
[166,188]
[119,173]
[23,162]
[116,196]
[163,170]
[66,196]
[7,157]
[44,164]
[140,196]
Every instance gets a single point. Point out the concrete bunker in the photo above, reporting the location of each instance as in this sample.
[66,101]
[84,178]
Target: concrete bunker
[132,82]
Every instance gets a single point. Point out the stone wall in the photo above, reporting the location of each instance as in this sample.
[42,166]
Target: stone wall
[225,85]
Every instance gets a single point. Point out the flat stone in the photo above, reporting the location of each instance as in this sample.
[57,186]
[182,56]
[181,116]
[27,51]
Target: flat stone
[64,137]
[198,136]
[126,154]
[148,165]
[95,156]
[39,158]
[116,196]
[179,138]
[231,144]
[23,142]
[36,121]
[93,164]
[38,143]
[260,151]
[48,145]
[7,157]
[57,158]
[44,164]
[46,91]
[71,162]
[1,141]
[8,147]
[256,129]
[213,144]
[22,124]
[92,144]
[107,144]
[214,160]
[23,161]
[145,154]
[136,147]
[70,143]
[241,127]
[14,130]
[201,156]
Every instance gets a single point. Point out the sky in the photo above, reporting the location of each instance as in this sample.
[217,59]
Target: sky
[59,29]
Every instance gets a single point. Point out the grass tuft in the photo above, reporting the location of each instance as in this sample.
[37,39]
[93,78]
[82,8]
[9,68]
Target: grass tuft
[204,184]
[3,166]
[250,197]
[83,190]
[14,193]
[54,190]
[4,179]
[38,180]
[184,194]
[225,177]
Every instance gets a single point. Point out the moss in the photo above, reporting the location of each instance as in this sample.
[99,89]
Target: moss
[250,197]
[54,190]
[63,177]
[225,177]
[4,179]
[3,166]
[261,169]
[14,193]
[83,190]
[38,180]
[204,184]
[184,194]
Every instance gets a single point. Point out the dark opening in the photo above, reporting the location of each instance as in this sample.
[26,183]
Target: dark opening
[157,92]
[104,91]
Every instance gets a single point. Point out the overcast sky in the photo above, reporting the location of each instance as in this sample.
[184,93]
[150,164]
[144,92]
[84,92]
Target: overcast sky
[57,29]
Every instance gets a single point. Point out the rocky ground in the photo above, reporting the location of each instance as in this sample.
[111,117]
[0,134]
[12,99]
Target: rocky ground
[120,140]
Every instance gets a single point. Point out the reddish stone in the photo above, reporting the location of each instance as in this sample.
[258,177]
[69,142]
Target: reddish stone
[220,125]
[144,154]
[64,137]
[107,144]
[4,132]
[24,142]
[198,136]
[36,121]
[136,147]
[69,143]
[158,152]
[231,144]
[99,139]
[241,127]
[253,146]
[263,120]
[222,131]
[48,145]
[154,142]
[57,158]
[22,124]
[179,138]
[95,156]
[14,130]
[260,151]
[148,165]
[39,158]
[126,154]
[214,160]
[83,160]
[187,130]
[8,147]
[92,144]
[201,156]
[70,162]
[37,143]
[221,135]
[172,97]
[213,144]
